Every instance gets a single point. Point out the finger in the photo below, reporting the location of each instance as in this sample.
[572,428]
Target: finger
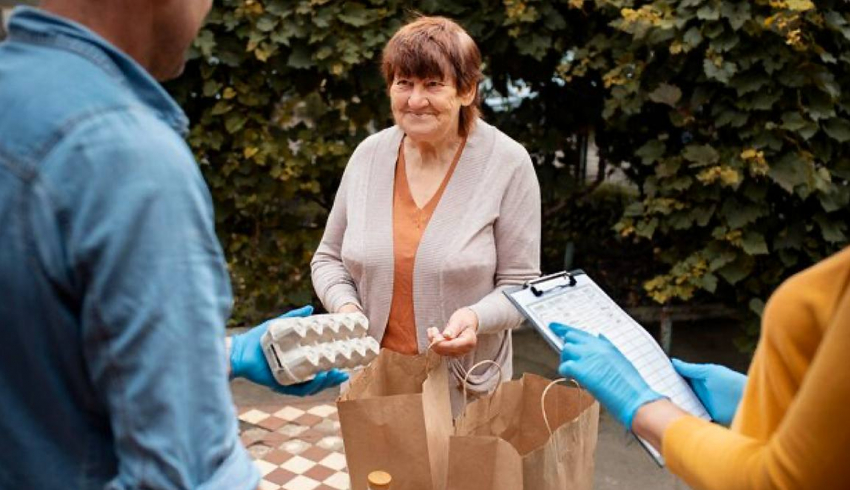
[570,352]
[300,312]
[336,377]
[688,370]
[434,334]
[567,369]
[455,347]
[567,332]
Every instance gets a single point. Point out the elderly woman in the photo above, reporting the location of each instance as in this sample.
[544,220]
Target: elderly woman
[435,216]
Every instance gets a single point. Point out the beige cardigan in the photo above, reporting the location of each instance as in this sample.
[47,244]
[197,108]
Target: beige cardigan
[484,236]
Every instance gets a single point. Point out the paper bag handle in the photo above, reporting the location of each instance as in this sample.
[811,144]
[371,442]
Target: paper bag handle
[543,399]
[473,368]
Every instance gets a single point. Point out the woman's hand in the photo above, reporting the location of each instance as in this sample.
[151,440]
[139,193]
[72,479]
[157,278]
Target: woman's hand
[349,308]
[459,337]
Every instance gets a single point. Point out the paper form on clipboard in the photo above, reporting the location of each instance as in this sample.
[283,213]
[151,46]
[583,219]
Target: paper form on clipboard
[572,298]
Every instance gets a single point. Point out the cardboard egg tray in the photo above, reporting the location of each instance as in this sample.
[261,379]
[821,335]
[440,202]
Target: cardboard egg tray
[297,349]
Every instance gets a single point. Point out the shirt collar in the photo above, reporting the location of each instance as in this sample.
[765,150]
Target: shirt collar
[30,24]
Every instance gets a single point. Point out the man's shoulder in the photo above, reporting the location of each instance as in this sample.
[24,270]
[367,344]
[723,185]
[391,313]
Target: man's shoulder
[48,95]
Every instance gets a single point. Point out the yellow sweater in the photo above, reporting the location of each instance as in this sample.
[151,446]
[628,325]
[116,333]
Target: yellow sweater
[792,429]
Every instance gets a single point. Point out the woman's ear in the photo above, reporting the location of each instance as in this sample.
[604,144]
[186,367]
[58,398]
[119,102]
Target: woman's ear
[468,98]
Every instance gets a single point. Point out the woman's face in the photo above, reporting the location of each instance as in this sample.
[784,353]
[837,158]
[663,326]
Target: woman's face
[427,110]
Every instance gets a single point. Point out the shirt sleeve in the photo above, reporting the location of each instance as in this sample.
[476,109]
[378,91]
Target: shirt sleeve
[157,296]
[517,237]
[809,448]
[333,283]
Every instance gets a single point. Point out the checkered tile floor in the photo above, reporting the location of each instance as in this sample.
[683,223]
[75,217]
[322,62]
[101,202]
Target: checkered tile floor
[295,448]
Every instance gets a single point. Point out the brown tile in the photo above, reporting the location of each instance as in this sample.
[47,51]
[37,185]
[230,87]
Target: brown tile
[277,457]
[280,476]
[311,436]
[274,438]
[319,472]
[315,454]
[334,416]
[271,423]
[308,419]
[324,487]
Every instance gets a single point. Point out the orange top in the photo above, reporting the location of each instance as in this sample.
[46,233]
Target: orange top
[409,223]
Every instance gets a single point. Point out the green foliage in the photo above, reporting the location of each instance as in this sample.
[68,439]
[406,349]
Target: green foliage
[740,118]
[729,116]
[281,92]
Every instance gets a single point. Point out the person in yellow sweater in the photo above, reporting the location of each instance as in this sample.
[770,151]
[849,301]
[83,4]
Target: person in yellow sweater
[789,424]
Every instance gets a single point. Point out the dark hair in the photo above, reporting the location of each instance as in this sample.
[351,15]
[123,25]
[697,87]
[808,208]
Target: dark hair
[437,47]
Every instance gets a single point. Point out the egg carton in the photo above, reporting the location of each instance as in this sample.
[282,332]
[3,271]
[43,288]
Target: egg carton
[297,349]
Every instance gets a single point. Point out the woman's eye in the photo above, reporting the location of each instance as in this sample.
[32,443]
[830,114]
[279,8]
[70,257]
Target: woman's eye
[435,83]
[402,83]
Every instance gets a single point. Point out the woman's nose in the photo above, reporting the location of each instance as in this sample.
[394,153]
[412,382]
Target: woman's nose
[418,98]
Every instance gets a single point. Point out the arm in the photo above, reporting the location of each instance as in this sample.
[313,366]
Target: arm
[517,241]
[333,284]
[517,238]
[809,448]
[157,296]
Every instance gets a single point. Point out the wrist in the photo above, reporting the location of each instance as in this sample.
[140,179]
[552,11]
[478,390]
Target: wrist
[652,419]
[640,400]
[233,344]
[475,320]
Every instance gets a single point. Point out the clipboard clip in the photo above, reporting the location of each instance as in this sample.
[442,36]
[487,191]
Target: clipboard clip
[540,285]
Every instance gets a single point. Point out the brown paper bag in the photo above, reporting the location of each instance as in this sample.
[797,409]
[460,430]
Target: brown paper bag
[396,416]
[502,441]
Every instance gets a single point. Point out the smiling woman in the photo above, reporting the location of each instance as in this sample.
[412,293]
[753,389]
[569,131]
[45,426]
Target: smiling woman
[435,216]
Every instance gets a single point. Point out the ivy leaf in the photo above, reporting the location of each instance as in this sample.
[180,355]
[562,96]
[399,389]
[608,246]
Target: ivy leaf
[355,14]
[838,129]
[736,13]
[651,151]
[793,121]
[300,58]
[693,37]
[708,12]
[831,230]
[266,23]
[205,43]
[702,155]
[737,270]
[753,243]
[837,198]
[720,73]
[235,122]
[789,171]
[666,94]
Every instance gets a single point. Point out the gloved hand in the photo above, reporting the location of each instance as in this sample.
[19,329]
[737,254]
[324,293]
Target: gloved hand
[248,361]
[718,388]
[599,367]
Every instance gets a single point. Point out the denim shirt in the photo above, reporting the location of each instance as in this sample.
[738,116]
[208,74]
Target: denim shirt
[113,289]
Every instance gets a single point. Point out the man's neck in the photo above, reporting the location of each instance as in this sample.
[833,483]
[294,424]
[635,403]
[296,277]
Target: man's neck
[109,20]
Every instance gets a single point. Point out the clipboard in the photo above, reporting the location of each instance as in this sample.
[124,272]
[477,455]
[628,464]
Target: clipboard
[572,298]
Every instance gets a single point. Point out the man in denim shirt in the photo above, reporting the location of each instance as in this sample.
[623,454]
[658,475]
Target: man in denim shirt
[113,289]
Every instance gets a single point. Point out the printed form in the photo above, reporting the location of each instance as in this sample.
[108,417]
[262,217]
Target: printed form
[586,307]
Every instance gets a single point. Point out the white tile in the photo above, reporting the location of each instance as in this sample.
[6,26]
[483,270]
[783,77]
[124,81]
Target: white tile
[289,413]
[253,416]
[267,485]
[264,466]
[339,481]
[301,482]
[334,461]
[322,410]
[298,465]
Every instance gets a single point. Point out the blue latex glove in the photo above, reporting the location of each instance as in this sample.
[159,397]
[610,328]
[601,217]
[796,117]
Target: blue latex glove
[718,388]
[248,361]
[599,367]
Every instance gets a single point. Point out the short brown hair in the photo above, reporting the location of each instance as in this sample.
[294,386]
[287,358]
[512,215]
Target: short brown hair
[437,47]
